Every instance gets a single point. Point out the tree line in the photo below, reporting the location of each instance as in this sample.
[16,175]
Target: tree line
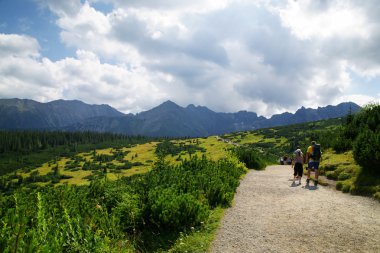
[30,149]
[32,141]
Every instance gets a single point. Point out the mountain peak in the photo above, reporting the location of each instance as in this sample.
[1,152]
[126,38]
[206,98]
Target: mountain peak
[168,104]
[167,119]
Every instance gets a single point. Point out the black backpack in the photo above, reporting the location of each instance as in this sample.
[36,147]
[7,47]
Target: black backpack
[316,152]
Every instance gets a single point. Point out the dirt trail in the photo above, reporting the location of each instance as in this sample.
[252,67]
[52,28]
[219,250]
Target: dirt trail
[271,215]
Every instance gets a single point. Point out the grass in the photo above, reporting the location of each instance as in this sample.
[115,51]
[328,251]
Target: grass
[215,149]
[339,166]
[195,239]
[349,175]
[200,239]
[245,137]
[143,153]
[77,177]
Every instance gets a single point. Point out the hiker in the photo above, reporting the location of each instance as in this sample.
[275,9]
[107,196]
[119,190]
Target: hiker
[313,157]
[297,164]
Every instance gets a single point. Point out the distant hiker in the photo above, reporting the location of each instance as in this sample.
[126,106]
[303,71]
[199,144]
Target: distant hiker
[282,160]
[313,157]
[289,161]
[297,164]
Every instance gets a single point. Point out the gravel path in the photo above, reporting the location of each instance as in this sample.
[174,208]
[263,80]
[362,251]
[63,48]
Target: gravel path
[271,215]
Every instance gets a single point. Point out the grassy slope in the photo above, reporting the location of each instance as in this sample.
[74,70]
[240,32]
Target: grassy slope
[276,141]
[341,167]
[143,153]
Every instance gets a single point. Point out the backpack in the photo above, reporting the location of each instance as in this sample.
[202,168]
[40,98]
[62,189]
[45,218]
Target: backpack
[316,152]
[298,157]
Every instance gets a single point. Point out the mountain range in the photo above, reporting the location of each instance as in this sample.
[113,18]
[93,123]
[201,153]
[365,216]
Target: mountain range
[167,119]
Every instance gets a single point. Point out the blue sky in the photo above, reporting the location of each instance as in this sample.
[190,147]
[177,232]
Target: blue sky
[26,17]
[229,55]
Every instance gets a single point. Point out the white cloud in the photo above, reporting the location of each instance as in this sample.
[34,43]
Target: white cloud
[18,45]
[262,56]
[310,19]
[83,77]
[361,100]
[342,30]
[62,8]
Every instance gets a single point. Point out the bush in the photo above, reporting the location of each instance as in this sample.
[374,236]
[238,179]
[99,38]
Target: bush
[101,217]
[330,167]
[129,211]
[331,175]
[346,188]
[362,190]
[174,210]
[367,150]
[343,176]
[250,157]
[341,143]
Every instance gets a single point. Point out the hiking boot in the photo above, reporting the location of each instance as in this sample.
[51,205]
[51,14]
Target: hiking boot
[307,181]
[315,183]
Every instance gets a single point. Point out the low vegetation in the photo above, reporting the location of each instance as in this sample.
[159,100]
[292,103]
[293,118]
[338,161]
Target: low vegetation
[79,192]
[121,215]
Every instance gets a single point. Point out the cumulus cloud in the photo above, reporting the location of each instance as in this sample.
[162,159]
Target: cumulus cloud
[18,46]
[83,77]
[310,19]
[62,8]
[263,56]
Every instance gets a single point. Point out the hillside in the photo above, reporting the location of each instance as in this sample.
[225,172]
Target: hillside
[167,119]
[29,114]
[158,195]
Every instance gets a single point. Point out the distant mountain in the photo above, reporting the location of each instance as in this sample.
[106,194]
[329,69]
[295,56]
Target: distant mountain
[167,119]
[29,114]
[172,120]
[307,114]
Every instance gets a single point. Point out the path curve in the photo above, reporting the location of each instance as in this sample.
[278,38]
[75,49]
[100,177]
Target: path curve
[271,215]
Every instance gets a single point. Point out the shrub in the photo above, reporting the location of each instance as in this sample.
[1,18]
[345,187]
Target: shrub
[175,210]
[341,144]
[250,157]
[367,150]
[362,190]
[330,167]
[331,175]
[129,211]
[343,176]
[346,188]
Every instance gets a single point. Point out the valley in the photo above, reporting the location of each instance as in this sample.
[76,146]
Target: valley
[147,194]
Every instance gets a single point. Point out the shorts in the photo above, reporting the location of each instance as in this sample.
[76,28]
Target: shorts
[298,170]
[313,165]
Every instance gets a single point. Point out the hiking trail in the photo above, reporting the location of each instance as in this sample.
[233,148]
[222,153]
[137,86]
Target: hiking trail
[271,215]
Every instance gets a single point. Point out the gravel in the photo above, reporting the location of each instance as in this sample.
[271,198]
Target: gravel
[270,214]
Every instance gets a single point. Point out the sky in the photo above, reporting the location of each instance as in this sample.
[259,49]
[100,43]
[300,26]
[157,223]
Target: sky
[262,56]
